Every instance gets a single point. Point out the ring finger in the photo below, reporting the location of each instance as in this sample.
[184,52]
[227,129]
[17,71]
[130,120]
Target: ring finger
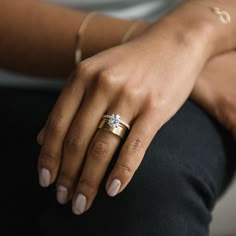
[99,155]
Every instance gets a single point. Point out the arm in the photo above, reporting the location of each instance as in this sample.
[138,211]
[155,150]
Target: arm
[195,23]
[39,38]
[214,90]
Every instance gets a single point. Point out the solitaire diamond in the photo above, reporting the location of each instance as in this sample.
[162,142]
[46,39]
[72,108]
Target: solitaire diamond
[114,121]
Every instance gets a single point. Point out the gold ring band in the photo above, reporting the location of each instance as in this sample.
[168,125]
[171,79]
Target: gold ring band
[119,131]
[113,124]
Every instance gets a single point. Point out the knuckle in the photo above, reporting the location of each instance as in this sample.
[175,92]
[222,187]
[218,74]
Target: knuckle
[156,98]
[88,185]
[56,124]
[158,107]
[106,79]
[99,149]
[153,104]
[131,94]
[73,142]
[135,146]
[47,157]
[124,169]
[84,69]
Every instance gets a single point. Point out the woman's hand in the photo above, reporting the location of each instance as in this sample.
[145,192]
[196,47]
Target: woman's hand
[144,81]
[215,90]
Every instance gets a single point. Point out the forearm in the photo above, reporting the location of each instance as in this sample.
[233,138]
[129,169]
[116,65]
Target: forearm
[195,25]
[215,90]
[39,38]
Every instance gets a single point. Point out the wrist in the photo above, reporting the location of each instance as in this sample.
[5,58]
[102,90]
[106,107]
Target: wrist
[139,28]
[176,33]
[103,32]
[197,25]
[213,21]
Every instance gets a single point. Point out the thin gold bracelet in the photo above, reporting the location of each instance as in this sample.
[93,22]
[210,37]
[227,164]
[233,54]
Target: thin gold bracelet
[83,26]
[129,32]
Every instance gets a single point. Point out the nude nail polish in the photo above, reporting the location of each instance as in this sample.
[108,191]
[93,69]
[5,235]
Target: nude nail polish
[62,194]
[79,204]
[114,188]
[44,177]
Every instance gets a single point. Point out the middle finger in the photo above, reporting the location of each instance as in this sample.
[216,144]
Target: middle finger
[76,142]
[99,155]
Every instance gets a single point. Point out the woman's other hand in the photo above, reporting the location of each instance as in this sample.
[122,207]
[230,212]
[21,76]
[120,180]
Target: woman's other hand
[215,90]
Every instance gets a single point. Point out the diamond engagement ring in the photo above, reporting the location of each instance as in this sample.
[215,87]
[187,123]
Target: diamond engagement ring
[114,124]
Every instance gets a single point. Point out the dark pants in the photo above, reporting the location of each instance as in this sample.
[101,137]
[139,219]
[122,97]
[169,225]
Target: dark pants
[186,168]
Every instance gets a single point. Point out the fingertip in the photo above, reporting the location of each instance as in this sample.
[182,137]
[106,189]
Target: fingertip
[44,177]
[62,194]
[113,188]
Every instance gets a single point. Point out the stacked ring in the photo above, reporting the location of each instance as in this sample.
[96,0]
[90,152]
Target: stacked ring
[114,124]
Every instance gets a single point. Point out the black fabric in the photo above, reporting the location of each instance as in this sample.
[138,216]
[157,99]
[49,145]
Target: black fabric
[186,168]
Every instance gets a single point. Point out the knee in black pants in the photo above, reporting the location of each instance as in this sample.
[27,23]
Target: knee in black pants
[172,193]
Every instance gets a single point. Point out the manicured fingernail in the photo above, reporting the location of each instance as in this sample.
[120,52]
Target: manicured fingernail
[44,177]
[114,187]
[62,194]
[79,204]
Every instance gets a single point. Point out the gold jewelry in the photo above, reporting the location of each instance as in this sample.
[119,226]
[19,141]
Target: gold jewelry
[129,32]
[222,15]
[113,124]
[83,25]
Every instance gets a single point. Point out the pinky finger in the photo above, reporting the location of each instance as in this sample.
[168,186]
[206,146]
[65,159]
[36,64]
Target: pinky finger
[132,153]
